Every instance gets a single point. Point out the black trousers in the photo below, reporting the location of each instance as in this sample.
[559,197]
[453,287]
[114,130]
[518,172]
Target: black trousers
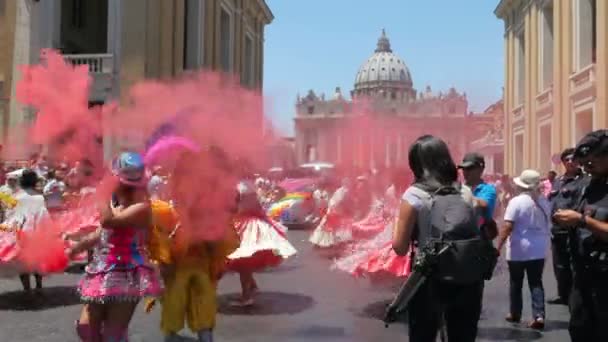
[589,306]
[561,265]
[459,305]
[533,269]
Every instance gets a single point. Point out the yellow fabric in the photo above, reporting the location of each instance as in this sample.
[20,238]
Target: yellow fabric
[190,291]
[164,219]
[8,200]
[189,296]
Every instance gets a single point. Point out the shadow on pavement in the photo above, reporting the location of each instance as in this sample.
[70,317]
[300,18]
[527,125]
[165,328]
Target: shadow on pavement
[267,303]
[330,252]
[508,334]
[319,332]
[281,269]
[48,298]
[385,280]
[376,311]
[555,325]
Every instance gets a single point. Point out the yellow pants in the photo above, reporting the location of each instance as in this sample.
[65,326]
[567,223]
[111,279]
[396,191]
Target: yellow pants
[190,296]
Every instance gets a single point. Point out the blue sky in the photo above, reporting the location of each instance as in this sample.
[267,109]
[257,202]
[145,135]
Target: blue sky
[320,44]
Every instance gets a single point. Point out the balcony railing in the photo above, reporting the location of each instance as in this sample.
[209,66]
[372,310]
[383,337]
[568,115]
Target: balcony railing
[98,63]
[101,69]
[518,113]
[583,79]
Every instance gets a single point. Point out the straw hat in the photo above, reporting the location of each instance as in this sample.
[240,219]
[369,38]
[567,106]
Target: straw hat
[528,180]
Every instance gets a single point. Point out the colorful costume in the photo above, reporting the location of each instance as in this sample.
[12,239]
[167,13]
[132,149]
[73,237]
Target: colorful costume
[26,225]
[335,227]
[120,269]
[190,292]
[263,241]
[372,224]
[376,256]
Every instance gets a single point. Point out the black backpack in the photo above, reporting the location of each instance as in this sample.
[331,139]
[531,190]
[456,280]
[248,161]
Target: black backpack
[452,221]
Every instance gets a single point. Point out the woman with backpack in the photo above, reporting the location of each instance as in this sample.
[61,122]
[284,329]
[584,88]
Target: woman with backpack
[526,233]
[436,301]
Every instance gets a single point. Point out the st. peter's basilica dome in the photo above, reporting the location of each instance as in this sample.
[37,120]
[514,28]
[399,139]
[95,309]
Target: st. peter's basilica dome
[384,73]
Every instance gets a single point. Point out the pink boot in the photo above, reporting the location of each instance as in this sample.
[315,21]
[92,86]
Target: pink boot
[86,333]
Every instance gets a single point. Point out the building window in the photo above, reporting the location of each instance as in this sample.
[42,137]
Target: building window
[583,124]
[519,153]
[544,147]
[225,41]
[78,14]
[311,110]
[192,34]
[248,62]
[586,33]
[393,95]
[546,51]
[520,68]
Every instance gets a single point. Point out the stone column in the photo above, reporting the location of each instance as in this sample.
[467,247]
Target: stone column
[508,100]
[558,41]
[399,148]
[565,70]
[21,55]
[533,89]
[601,66]
[529,115]
[339,147]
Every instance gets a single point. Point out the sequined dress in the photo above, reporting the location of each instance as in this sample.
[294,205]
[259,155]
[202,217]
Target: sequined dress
[121,269]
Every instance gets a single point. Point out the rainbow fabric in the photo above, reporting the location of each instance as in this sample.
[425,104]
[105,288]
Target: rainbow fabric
[275,210]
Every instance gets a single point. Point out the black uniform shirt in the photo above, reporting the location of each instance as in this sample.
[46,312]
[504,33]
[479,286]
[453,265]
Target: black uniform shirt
[594,203]
[566,194]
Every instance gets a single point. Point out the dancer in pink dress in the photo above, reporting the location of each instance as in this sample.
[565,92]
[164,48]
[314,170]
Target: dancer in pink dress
[376,256]
[120,273]
[335,228]
[263,242]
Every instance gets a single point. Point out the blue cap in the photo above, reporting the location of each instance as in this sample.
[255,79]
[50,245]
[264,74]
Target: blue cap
[129,167]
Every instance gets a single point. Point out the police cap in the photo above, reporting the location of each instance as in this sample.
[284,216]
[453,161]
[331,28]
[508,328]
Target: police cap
[594,143]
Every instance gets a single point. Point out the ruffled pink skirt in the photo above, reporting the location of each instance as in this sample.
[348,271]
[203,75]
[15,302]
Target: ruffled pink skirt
[120,285]
[370,226]
[333,230]
[263,244]
[375,256]
[21,253]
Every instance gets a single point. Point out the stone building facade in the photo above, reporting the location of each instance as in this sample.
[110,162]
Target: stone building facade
[123,42]
[492,144]
[331,129]
[556,77]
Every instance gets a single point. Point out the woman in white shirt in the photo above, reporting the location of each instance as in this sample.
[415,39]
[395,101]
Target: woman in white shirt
[526,235]
[29,213]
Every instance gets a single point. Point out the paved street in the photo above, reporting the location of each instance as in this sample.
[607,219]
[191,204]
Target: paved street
[300,301]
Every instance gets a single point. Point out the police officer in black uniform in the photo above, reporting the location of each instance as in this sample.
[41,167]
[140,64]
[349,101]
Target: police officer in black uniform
[589,247]
[564,195]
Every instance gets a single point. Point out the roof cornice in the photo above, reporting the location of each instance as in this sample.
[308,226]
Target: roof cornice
[502,7]
[269,16]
